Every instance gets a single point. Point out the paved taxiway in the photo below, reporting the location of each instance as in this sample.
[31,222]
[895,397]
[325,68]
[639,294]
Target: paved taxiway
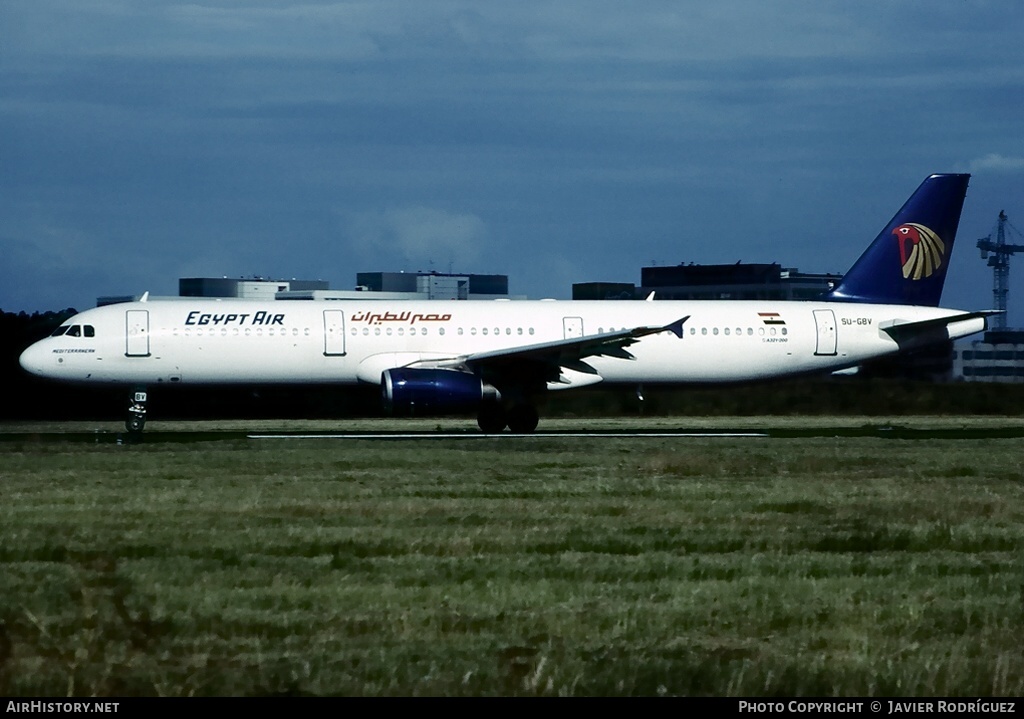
[761,431]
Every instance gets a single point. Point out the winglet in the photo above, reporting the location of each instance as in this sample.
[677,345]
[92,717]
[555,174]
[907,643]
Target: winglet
[676,327]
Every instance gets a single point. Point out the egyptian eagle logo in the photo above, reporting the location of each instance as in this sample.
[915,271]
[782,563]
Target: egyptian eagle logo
[921,250]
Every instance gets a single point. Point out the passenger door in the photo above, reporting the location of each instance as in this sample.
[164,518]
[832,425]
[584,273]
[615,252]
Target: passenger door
[825,322]
[137,333]
[334,333]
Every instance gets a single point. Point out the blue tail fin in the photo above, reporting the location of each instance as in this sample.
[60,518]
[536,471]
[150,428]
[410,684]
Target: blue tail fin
[907,262]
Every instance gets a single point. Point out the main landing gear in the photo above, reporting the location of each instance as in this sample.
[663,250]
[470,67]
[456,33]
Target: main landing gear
[519,418]
[136,420]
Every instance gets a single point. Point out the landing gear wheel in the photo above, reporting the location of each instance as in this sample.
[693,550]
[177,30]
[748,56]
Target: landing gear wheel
[491,418]
[135,425]
[522,419]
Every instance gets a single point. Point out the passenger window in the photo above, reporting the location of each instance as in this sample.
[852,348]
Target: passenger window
[726,330]
[75,331]
[460,331]
[440,330]
[714,331]
[531,330]
[484,330]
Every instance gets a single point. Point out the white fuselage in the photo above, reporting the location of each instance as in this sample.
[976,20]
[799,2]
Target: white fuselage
[207,341]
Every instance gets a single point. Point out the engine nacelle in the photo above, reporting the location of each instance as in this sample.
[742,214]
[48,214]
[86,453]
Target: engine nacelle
[425,392]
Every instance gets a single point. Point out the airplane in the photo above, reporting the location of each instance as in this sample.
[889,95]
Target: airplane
[498,358]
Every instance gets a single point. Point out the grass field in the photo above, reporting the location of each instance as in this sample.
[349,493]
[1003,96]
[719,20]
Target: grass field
[544,565]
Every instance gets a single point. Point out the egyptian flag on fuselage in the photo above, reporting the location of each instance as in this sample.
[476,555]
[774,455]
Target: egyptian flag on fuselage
[771,318]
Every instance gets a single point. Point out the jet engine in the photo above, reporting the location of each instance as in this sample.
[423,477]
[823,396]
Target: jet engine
[424,392]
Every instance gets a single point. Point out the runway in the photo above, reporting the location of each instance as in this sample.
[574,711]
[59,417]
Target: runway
[173,436]
[504,435]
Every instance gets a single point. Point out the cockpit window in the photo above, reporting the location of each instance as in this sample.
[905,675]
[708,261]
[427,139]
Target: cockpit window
[75,331]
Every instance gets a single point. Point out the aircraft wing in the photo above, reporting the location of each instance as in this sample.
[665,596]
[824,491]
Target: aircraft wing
[544,361]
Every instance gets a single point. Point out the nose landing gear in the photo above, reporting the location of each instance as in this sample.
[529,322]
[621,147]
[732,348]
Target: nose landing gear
[136,420]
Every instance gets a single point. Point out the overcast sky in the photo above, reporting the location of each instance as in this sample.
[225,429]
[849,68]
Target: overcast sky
[559,142]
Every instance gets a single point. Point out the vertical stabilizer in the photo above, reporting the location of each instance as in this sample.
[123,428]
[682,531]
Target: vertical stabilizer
[907,262]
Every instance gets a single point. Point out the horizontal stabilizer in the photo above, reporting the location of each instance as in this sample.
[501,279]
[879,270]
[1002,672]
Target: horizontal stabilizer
[907,333]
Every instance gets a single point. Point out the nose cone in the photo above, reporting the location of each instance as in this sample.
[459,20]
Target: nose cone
[32,360]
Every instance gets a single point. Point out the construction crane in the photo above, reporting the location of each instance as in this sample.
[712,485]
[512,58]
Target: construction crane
[1000,264]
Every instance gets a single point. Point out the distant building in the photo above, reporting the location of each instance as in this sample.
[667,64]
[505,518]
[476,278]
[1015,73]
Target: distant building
[412,286]
[256,288]
[371,286]
[435,285]
[604,291]
[714,282]
[998,357]
[733,282]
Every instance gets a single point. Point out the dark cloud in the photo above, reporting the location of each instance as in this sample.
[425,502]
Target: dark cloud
[554,142]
